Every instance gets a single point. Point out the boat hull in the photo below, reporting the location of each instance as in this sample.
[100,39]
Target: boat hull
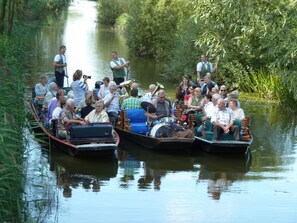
[222,147]
[85,149]
[166,144]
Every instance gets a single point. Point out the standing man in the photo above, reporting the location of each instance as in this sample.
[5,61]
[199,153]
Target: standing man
[118,66]
[203,67]
[60,66]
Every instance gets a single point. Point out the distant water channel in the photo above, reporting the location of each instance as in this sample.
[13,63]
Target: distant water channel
[143,186]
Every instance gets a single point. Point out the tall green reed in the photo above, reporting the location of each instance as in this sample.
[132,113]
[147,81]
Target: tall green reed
[12,121]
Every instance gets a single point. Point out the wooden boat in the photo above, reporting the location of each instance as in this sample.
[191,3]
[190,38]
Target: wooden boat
[226,144]
[132,126]
[93,140]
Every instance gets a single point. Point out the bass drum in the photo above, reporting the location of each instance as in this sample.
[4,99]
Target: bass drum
[162,130]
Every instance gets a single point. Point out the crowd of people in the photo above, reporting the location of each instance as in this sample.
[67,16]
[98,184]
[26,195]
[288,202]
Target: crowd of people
[104,103]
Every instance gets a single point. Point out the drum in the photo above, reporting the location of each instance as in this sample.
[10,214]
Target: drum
[168,120]
[161,130]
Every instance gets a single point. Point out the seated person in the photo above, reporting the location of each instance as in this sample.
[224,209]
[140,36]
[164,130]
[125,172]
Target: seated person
[223,121]
[183,88]
[104,88]
[187,97]
[67,118]
[223,91]
[133,101]
[237,112]
[233,95]
[98,114]
[163,108]
[82,103]
[50,95]
[88,108]
[40,88]
[112,104]
[207,85]
[149,97]
[60,105]
[195,102]
[53,104]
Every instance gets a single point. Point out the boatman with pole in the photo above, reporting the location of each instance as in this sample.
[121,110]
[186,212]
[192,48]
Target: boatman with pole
[60,66]
[118,66]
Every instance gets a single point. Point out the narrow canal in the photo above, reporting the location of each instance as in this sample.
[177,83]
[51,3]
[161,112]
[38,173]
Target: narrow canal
[144,186]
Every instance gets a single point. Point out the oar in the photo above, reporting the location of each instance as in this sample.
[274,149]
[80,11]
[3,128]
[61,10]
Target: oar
[66,72]
[128,69]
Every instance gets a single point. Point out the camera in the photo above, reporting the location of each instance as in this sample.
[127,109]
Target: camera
[84,76]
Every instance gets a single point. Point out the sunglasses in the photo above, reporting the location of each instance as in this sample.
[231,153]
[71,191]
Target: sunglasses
[223,90]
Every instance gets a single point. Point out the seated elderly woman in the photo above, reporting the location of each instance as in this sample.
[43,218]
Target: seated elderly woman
[98,114]
[67,118]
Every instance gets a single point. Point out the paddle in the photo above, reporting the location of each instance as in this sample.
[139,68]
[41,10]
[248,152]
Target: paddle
[128,70]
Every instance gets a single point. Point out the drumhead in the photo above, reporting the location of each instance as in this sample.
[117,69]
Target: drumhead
[161,130]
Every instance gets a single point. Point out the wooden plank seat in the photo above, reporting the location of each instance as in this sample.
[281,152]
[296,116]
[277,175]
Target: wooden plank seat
[135,121]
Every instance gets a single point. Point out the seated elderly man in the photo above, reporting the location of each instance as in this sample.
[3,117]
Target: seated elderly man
[149,97]
[112,104]
[223,121]
[68,117]
[163,108]
[133,101]
[50,95]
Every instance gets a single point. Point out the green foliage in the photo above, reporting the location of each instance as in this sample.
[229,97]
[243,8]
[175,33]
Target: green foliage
[36,10]
[12,121]
[110,10]
[152,27]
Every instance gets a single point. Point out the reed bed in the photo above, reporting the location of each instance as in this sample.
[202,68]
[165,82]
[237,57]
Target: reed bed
[12,112]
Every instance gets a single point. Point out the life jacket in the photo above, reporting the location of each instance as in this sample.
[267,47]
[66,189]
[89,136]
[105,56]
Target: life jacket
[60,69]
[121,72]
[205,69]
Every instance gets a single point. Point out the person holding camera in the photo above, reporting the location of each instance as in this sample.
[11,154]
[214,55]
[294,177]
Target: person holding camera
[79,87]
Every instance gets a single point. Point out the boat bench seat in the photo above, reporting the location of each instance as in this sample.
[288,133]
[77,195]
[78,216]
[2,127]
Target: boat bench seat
[93,130]
[209,132]
[137,121]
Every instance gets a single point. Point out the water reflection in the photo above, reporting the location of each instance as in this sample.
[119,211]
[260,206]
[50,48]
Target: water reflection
[154,165]
[81,172]
[221,172]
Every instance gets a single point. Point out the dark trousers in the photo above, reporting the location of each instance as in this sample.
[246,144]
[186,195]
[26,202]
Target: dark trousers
[217,131]
[118,80]
[60,78]
[112,117]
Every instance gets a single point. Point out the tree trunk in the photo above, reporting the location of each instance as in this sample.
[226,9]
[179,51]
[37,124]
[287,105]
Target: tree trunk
[2,16]
[11,7]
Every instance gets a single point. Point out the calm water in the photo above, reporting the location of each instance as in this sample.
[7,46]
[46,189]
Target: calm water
[143,186]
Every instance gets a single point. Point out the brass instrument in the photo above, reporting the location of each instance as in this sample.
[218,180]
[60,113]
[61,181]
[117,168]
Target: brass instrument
[158,87]
[128,88]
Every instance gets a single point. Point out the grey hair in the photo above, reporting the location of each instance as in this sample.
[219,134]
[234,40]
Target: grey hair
[216,96]
[69,102]
[100,102]
[52,85]
[152,86]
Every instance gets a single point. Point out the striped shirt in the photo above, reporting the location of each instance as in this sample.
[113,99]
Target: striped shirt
[79,88]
